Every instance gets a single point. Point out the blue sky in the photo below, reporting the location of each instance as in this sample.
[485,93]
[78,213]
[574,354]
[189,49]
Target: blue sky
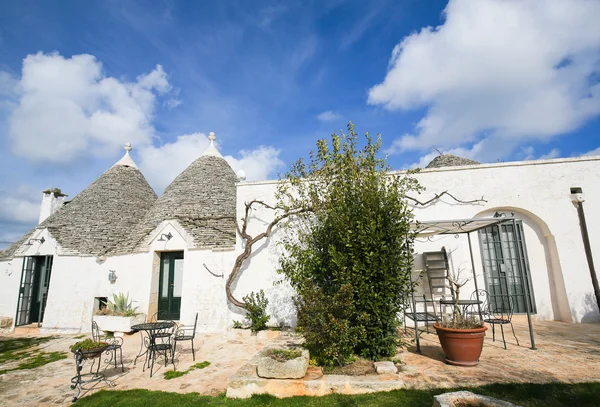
[487,80]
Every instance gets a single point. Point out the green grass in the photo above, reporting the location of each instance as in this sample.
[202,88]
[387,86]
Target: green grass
[13,350]
[528,395]
[172,374]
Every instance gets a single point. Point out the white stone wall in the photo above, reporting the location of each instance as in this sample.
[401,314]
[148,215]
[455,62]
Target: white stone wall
[537,191]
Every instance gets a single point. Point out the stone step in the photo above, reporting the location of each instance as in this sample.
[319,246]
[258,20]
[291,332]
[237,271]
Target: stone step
[31,329]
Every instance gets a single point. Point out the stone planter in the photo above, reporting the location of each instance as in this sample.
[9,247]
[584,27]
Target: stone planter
[111,323]
[270,368]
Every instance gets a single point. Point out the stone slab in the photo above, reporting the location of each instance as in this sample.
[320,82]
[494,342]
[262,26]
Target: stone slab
[270,368]
[451,399]
[385,368]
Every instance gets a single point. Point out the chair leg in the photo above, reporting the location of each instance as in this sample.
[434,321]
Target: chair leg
[173,356]
[152,367]
[493,332]
[503,340]
[193,352]
[513,330]
[121,354]
[115,356]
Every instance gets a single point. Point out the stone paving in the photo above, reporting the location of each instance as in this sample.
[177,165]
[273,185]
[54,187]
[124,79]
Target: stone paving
[50,384]
[566,352]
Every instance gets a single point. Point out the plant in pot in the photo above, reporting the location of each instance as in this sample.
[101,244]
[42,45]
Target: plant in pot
[119,315]
[88,348]
[461,335]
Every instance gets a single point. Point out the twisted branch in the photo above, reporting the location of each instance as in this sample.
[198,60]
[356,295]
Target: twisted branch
[438,196]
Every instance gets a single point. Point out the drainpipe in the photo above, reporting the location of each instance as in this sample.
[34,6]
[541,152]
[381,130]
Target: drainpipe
[578,198]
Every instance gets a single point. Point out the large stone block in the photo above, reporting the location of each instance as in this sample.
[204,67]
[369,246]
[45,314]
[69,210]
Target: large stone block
[466,398]
[270,368]
[6,322]
[385,368]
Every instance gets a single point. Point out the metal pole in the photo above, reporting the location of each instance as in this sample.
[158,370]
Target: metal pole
[524,282]
[588,251]
[474,275]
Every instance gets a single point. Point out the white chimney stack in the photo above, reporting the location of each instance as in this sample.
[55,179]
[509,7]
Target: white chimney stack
[52,200]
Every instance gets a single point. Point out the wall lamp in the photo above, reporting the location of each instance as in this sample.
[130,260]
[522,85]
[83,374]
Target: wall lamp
[41,240]
[168,236]
[112,276]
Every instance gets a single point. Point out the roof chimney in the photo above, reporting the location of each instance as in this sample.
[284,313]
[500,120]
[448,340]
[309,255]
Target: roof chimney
[52,200]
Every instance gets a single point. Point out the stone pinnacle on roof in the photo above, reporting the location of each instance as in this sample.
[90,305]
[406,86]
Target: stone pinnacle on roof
[212,150]
[449,160]
[126,160]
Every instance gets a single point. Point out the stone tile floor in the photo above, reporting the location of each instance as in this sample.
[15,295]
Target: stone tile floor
[566,352]
[50,384]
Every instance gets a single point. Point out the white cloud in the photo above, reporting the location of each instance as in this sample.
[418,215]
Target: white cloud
[258,164]
[528,153]
[162,164]
[20,205]
[68,108]
[595,151]
[554,153]
[329,116]
[497,70]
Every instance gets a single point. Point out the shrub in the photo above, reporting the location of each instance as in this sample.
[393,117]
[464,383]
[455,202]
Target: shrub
[238,325]
[326,324]
[353,246]
[256,306]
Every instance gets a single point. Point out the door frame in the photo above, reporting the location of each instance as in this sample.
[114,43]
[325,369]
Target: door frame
[172,256]
[521,251]
[38,284]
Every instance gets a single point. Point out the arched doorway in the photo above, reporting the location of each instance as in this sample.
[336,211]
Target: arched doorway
[547,283]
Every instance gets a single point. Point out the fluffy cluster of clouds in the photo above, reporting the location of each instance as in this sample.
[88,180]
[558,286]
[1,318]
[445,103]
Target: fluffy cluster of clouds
[495,74]
[62,109]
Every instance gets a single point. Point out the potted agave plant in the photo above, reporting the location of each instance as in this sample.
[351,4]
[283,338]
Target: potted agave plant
[119,315]
[461,335]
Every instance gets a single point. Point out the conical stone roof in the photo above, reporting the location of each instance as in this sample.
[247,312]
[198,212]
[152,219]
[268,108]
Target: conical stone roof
[449,160]
[99,218]
[202,199]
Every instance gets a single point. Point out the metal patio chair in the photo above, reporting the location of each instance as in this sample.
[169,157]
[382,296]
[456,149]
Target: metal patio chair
[185,333]
[161,342]
[114,344]
[498,310]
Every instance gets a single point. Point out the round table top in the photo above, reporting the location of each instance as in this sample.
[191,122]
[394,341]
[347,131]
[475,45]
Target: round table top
[151,326]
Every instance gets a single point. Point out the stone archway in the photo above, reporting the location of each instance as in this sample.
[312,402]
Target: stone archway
[553,302]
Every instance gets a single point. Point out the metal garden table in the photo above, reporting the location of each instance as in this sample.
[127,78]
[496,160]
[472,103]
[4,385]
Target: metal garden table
[151,328]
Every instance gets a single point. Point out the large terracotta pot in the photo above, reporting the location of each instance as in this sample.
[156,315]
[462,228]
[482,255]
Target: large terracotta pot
[461,346]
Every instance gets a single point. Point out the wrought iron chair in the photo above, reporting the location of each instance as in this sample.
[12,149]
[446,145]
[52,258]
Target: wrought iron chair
[478,310]
[114,344]
[163,347]
[162,316]
[498,310]
[185,333]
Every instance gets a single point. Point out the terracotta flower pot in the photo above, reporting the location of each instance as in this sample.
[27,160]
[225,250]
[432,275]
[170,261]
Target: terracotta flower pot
[461,346]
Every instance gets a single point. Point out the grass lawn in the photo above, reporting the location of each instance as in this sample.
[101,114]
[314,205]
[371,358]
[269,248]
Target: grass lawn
[22,352]
[553,394]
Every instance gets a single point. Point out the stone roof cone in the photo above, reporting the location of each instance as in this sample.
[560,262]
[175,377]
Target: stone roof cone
[202,199]
[449,160]
[100,216]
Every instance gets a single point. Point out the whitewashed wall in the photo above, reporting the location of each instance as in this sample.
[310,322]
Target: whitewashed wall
[537,191]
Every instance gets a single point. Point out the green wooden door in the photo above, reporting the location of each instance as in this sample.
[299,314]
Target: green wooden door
[170,285]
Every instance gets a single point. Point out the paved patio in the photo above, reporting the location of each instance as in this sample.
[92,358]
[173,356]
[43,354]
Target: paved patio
[566,352]
[50,384]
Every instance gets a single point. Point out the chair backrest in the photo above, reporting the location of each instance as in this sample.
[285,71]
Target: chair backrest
[483,296]
[95,332]
[501,307]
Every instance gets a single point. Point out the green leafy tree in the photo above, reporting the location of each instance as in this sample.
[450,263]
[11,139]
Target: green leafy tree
[350,242]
